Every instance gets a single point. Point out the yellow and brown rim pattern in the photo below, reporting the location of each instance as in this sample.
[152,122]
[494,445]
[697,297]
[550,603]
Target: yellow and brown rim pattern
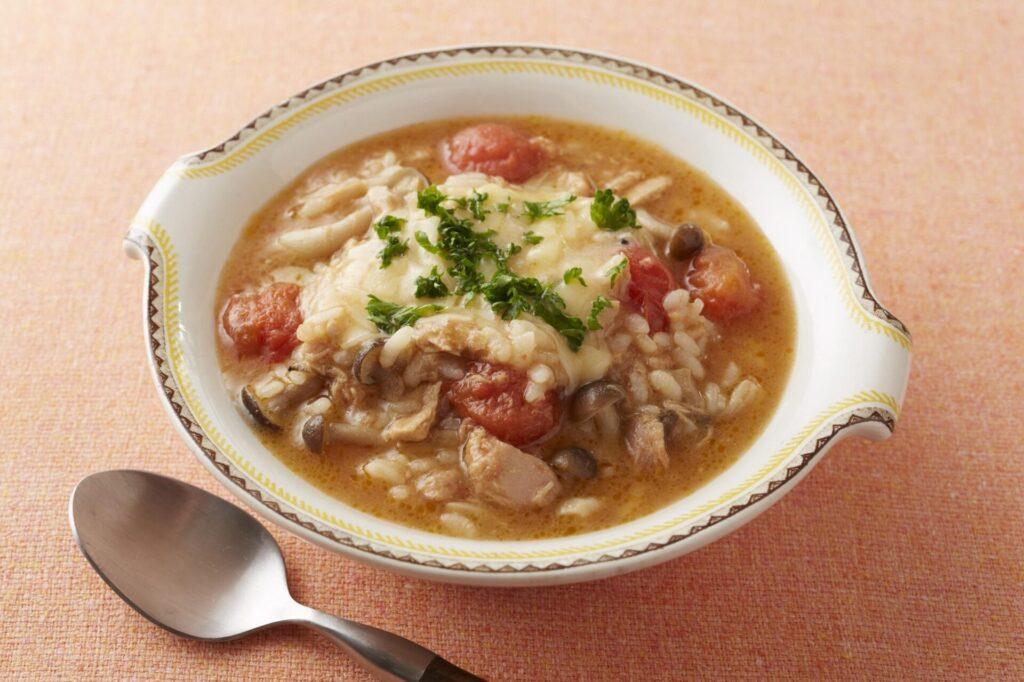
[798,453]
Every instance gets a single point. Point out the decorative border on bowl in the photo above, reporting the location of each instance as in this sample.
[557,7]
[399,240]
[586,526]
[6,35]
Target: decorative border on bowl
[863,407]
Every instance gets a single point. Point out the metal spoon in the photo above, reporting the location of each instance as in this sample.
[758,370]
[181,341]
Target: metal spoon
[202,568]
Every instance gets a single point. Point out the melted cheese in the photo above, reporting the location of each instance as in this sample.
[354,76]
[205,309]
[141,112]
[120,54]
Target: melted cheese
[334,301]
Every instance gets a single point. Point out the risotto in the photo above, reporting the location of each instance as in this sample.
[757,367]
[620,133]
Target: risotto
[505,328]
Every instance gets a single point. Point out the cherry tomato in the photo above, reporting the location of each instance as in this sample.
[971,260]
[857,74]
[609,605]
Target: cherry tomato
[264,322]
[649,281]
[492,396]
[493,149]
[721,279]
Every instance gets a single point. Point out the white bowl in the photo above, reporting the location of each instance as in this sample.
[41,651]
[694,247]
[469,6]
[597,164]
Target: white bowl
[851,365]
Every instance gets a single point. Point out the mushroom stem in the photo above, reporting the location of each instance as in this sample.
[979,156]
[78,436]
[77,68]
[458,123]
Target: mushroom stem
[270,411]
[318,434]
[320,242]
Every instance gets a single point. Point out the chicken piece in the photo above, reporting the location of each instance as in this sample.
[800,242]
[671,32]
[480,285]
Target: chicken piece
[382,199]
[576,183]
[645,438]
[416,426]
[461,335]
[504,474]
[440,485]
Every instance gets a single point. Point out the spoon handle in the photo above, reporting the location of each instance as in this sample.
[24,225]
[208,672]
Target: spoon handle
[384,654]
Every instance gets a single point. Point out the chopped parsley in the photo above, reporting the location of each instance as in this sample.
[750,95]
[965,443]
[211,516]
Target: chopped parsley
[609,214]
[616,270]
[386,228]
[600,304]
[574,274]
[510,295]
[458,243]
[423,240]
[389,224]
[465,251]
[538,210]
[390,317]
[431,286]
[430,199]
[501,256]
[474,204]
[392,249]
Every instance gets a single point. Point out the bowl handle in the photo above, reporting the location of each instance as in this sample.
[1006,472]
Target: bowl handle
[133,245]
[880,369]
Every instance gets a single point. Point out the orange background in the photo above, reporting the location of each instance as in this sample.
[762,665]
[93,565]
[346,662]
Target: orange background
[898,559]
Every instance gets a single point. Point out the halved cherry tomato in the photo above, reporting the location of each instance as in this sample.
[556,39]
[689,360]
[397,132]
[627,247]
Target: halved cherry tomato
[721,279]
[649,281]
[264,322]
[493,149]
[492,396]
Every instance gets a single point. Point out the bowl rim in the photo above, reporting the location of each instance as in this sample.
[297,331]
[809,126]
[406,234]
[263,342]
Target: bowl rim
[874,415]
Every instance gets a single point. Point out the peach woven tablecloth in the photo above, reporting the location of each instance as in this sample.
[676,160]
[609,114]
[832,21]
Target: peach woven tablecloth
[893,560]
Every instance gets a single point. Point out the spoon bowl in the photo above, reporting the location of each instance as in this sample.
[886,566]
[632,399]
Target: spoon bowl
[202,568]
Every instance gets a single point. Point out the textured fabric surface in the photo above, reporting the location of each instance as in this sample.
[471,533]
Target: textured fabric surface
[891,560]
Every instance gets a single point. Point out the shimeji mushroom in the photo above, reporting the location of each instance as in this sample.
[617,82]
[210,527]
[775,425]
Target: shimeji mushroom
[318,434]
[331,196]
[648,189]
[591,398]
[268,409]
[686,242]
[368,371]
[574,462]
[401,178]
[320,242]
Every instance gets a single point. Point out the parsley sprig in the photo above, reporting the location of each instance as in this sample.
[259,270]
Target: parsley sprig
[611,214]
[574,274]
[390,317]
[386,228]
[538,210]
[431,286]
[616,270]
[596,308]
[474,204]
[458,243]
[510,295]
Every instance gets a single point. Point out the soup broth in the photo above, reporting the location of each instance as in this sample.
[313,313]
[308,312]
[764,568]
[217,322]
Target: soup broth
[432,483]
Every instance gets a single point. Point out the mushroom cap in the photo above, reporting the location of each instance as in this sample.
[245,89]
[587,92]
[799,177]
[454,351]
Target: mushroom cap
[593,397]
[686,242]
[367,363]
[313,433]
[252,405]
[574,462]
